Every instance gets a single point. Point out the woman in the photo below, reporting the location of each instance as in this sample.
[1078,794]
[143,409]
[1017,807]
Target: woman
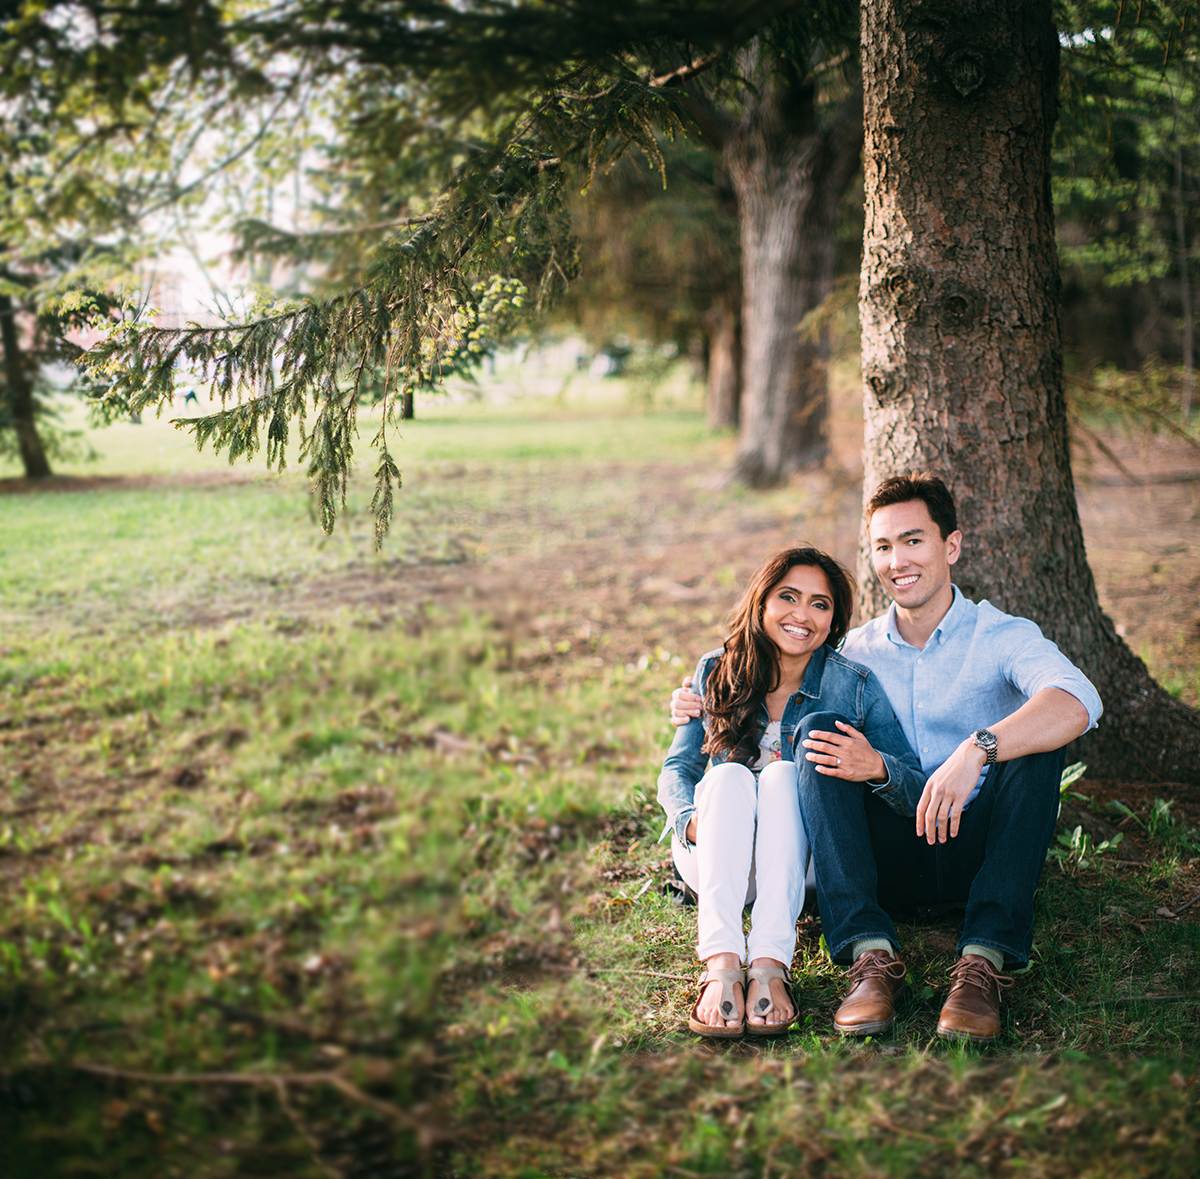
[737,834]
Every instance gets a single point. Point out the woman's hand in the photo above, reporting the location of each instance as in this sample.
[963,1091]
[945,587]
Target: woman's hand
[846,754]
[691,830]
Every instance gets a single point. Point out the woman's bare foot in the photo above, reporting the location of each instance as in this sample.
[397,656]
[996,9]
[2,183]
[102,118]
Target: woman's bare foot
[784,1012]
[708,1007]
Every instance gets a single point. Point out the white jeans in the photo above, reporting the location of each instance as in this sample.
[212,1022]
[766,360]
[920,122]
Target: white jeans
[750,850]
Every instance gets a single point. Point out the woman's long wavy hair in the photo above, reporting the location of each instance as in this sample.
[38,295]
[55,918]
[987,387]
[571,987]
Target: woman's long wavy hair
[749,667]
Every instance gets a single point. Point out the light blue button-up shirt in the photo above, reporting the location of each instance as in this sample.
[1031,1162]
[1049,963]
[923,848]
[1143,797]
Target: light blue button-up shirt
[978,667]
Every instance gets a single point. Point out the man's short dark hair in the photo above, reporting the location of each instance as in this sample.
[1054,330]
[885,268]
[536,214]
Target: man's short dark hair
[929,489]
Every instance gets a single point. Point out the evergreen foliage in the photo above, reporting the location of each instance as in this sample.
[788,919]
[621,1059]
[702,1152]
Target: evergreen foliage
[1127,175]
[454,137]
[516,101]
[655,256]
[105,117]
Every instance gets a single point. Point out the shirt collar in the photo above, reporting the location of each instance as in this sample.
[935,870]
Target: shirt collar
[949,621]
[954,616]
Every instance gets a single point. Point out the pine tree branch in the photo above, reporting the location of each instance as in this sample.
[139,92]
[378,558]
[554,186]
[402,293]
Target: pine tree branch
[686,72]
[414,314]
[224,164]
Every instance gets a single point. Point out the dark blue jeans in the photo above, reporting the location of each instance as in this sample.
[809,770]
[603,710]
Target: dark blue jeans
[870,863]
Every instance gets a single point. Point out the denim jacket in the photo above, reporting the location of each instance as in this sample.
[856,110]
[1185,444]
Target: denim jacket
[831,684]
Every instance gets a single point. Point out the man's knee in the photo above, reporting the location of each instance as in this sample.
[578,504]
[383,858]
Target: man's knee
[1034,775]
[825,722]
[815,722]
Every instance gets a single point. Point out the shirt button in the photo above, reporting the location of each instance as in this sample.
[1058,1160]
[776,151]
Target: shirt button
[919,661]
[920,705]
[926,749]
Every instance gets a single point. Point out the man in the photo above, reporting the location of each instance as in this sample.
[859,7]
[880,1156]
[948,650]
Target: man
[987,702]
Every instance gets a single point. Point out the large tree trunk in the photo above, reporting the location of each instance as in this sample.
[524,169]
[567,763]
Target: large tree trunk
[20,396]
[788,173]
[724,323]
[962,365]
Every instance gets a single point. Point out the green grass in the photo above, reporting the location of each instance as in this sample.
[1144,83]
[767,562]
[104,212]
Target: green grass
[297,879]
[589,421]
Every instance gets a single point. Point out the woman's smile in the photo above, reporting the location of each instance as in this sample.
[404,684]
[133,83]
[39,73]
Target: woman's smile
[803,631]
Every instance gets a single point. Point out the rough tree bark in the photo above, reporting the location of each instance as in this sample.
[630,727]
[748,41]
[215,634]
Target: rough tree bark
[788,172]
[962,363]
[20,395]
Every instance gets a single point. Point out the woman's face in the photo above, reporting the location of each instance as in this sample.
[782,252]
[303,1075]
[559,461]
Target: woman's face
[798,612]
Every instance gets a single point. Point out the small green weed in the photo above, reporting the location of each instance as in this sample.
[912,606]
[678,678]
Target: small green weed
[1075,850]
[1163,826]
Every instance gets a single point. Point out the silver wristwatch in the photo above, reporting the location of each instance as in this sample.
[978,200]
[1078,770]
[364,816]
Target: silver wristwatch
[986,740]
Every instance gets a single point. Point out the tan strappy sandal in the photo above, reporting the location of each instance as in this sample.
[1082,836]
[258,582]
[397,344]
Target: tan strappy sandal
[764,1004]
[727,979]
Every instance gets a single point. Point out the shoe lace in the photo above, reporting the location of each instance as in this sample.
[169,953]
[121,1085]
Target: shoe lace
[876,964]
[979,972]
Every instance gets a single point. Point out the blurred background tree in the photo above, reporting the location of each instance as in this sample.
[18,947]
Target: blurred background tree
[1126,188]
[659,260]
[109,120]
[509,100]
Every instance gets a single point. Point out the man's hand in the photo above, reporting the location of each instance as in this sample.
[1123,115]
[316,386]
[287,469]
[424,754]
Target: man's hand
[940,810]
[685,704]
[846,754]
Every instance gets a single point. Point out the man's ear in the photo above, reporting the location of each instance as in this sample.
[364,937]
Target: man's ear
[954,543]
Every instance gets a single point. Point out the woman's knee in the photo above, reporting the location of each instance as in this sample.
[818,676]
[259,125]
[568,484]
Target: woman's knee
[777,777]
[729,775]
[727,782]
[779,798]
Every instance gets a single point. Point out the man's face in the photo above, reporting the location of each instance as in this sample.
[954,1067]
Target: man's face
[911,559]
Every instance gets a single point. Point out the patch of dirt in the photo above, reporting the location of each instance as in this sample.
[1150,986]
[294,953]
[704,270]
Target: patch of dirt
[1139,797]
[648,578]
[625,588]
[1143,542]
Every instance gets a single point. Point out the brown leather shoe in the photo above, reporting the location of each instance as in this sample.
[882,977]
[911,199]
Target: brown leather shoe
[972,1009]
[876,980]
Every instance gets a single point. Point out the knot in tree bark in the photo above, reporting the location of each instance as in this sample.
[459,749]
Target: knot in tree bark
[906,288]
[959,307]
[887,386]
[966,71]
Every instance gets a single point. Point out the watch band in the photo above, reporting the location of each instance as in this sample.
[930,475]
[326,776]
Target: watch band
[986,740]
